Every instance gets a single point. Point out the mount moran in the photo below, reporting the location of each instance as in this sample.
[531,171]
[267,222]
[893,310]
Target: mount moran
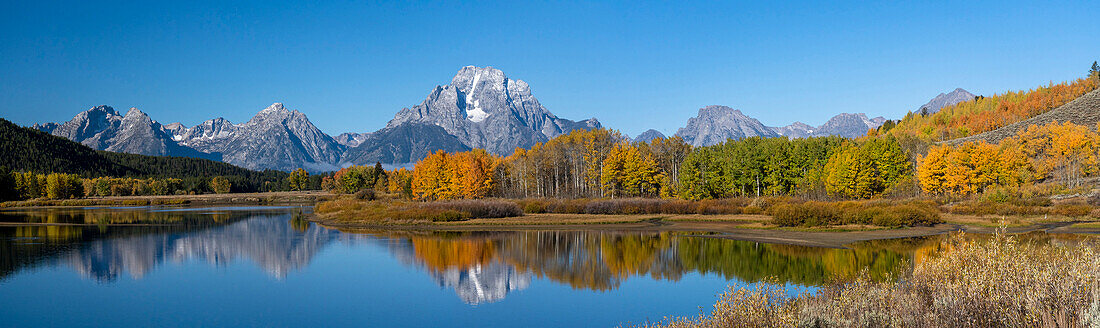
[480,108]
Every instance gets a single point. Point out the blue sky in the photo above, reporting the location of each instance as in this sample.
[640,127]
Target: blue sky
[634,65]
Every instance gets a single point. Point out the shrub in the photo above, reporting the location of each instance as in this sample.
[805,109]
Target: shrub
[624,206]
[1072,210]
[366,194]
[752,209]
[476,208]
[908,215]
[532,206]
[808,214]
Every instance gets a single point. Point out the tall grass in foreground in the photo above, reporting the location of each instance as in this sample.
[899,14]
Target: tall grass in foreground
[1000,282]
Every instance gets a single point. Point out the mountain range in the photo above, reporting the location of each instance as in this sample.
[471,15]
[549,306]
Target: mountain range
[715,124]
[480,108]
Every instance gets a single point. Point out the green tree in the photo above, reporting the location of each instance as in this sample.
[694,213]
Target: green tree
[702,176]
[7,185]
[867,169]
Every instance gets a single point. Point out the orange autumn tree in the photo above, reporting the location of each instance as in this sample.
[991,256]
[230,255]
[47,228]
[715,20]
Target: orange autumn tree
[442,176]
[1060,152]
[971,168]
[1065,152]
[433,177]
[474,173]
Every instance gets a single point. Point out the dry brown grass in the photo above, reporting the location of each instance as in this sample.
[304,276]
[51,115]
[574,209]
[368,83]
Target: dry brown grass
[351,210]
[997,282]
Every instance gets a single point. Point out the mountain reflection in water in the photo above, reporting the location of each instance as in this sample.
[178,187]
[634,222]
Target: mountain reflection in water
[481,267]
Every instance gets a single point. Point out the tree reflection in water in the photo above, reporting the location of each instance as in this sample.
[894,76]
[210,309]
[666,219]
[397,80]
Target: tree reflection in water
[603,260]
[102,243]
[481,267]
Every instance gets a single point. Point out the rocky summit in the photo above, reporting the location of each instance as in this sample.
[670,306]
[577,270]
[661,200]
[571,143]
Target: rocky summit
[716,124]
[848,125]
[944,100]
[275,138]
[102,128]
[483,108]
[649,135]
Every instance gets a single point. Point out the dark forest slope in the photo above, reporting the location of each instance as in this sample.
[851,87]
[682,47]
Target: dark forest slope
[26,149]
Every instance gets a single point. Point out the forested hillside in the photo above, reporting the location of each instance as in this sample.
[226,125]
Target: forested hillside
[29,150]
[988,113]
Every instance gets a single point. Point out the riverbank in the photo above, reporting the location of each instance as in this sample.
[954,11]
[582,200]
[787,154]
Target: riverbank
[259,198]
[737,227]
[823,224]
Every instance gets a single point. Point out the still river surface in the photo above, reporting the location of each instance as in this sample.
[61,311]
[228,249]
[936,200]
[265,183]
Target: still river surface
[263,266]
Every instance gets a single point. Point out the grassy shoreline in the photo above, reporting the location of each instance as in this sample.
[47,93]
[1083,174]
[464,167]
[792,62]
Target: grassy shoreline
[260,198]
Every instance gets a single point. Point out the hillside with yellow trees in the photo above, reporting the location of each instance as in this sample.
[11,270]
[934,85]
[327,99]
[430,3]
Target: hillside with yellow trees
[985,114]
[898,161]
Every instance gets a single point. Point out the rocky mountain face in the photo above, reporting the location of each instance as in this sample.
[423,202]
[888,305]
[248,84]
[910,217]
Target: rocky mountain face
[848,125]
[795,130]
[480,108]
[486,109]
[351,139]
[715,124]
[102,128]
[45,127]
[276,138]
[945,99]
[844,124]
[649,135]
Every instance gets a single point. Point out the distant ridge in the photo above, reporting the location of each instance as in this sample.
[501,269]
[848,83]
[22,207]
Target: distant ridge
[715,124]
[649,135]
[944,100]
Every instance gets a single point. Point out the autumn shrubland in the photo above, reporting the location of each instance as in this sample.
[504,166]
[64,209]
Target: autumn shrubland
[350,209]
[886,214]
[972,282]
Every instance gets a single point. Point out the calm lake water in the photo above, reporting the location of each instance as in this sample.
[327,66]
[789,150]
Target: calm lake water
[260,266]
